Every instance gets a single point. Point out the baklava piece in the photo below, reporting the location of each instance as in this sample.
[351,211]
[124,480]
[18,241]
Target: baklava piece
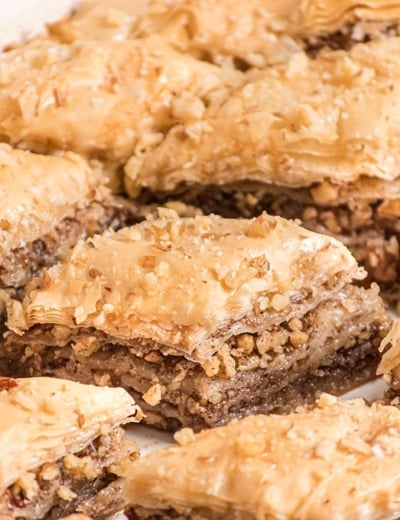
[255,33]
[47,204]
[316,140]
[202,319]
[334,460]
[105,100]
[62,448]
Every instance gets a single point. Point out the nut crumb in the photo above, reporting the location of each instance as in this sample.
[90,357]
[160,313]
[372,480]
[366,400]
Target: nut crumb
[153,395]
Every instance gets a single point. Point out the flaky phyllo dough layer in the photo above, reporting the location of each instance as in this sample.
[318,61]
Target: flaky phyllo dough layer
[223,275]
[334,118]
[253,33]
[103,99]
[44,419]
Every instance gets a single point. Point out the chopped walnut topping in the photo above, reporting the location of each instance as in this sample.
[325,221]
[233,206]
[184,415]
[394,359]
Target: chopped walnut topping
[65,493]
[153,395]
[211,366]
[49,471]
[184,436]
[27,484]
[249,446]
[227,362]
[279,301]
[102,378]
[245,343]
[298,338]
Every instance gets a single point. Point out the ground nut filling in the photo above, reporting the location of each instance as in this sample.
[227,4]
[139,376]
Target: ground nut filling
[333,347]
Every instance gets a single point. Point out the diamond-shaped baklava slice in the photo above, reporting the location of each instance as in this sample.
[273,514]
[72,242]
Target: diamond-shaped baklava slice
[62,448]
[47,203]
[316,140]
[202,319]
[335,460]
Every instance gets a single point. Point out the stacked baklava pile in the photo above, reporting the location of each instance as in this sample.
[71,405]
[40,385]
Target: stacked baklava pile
[199,207]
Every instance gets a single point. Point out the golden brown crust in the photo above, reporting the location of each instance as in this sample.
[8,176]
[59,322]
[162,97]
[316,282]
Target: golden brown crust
[215,272]
[333,118]
[258,32]
[38,191]
[104,99]
[337,460]
[255,31]
[44,419]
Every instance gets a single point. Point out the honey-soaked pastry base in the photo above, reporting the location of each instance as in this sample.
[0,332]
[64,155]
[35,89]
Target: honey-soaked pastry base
[362,215]
[331,348]
[83,482]
[336,459]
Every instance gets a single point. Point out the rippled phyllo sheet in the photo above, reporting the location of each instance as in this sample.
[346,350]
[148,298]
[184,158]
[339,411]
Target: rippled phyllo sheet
[314,139]
[253,33]
[103,99]
[334,118]
[334,460]
[62,447]
[202,319]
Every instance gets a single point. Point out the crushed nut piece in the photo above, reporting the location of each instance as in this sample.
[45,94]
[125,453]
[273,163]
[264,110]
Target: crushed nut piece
[153,395]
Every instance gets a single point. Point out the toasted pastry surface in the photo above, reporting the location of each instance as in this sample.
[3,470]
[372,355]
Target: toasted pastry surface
[336,460]
[255,33]
[38,191]
[102,99]
[333,119]
[188,283]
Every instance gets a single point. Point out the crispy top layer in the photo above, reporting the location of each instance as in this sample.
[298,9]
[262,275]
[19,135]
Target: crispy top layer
[37,192]
[254,31]
[335,117]
[44,419]
[104,99]
[189,284]
[337,460]
[260,32]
